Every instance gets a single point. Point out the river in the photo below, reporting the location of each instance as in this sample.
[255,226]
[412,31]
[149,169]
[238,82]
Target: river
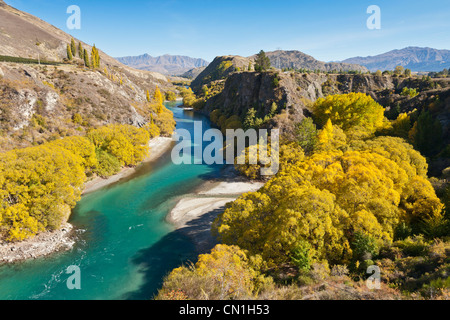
[124,245]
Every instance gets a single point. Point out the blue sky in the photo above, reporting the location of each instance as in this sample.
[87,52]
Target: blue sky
[329,30]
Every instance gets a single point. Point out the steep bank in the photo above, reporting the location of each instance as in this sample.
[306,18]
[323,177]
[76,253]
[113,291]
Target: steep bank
[294,93]
[40,103]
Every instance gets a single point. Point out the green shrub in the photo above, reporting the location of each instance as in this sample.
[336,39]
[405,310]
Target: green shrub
[413,246]
[301,256]
[108,165]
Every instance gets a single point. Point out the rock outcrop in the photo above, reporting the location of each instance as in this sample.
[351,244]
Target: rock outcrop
[41,245]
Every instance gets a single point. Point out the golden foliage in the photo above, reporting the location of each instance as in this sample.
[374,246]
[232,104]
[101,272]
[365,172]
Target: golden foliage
[38,187]
[327,198]
[349,110]
[226,273]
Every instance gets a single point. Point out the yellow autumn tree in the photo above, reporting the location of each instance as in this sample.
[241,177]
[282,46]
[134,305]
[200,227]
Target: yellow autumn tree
[125,142]
[328,198]
[225,274]
[158,100]
[39,186]
[349,110]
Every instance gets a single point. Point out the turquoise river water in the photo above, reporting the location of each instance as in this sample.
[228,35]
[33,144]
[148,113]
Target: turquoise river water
[124,245]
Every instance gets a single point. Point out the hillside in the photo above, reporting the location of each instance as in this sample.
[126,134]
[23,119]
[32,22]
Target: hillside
[220,69]
[299,60]
[414,58]
[166,64]
[39,103]
[193,73]
[293,93]
[223,66]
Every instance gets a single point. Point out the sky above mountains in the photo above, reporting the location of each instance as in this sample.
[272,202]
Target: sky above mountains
[329,30]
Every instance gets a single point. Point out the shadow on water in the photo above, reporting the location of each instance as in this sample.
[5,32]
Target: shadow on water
[159,260]
[155,262]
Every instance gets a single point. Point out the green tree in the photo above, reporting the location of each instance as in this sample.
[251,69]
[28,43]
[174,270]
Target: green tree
[398,70]
[427,134]
[86,59]
[408,72]
[306,135]
[262,62]
[80,51]
[73,47]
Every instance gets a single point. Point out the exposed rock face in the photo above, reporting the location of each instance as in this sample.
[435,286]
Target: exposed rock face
[294,91]
[294,94]
[58,93]
[38,102]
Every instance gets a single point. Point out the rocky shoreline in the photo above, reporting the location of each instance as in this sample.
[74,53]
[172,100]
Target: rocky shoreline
[42,245]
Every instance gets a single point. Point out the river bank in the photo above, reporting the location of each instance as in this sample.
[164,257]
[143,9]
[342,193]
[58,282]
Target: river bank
[158,146]
[41,245]
[194,213]
[50,242]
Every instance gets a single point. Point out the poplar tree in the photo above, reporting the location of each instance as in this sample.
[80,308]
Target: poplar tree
[86,58]
[159,100]
[73,47]
[80,50]
[69,53]
[95,57]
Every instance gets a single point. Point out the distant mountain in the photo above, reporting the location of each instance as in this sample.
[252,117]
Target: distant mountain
[414,58]
[193,73]
[166,64]
[299,60]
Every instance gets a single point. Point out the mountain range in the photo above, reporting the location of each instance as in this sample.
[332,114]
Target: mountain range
[298,60]
[414,58]
[166,64]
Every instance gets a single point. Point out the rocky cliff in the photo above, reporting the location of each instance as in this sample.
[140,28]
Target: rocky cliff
[294,93]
